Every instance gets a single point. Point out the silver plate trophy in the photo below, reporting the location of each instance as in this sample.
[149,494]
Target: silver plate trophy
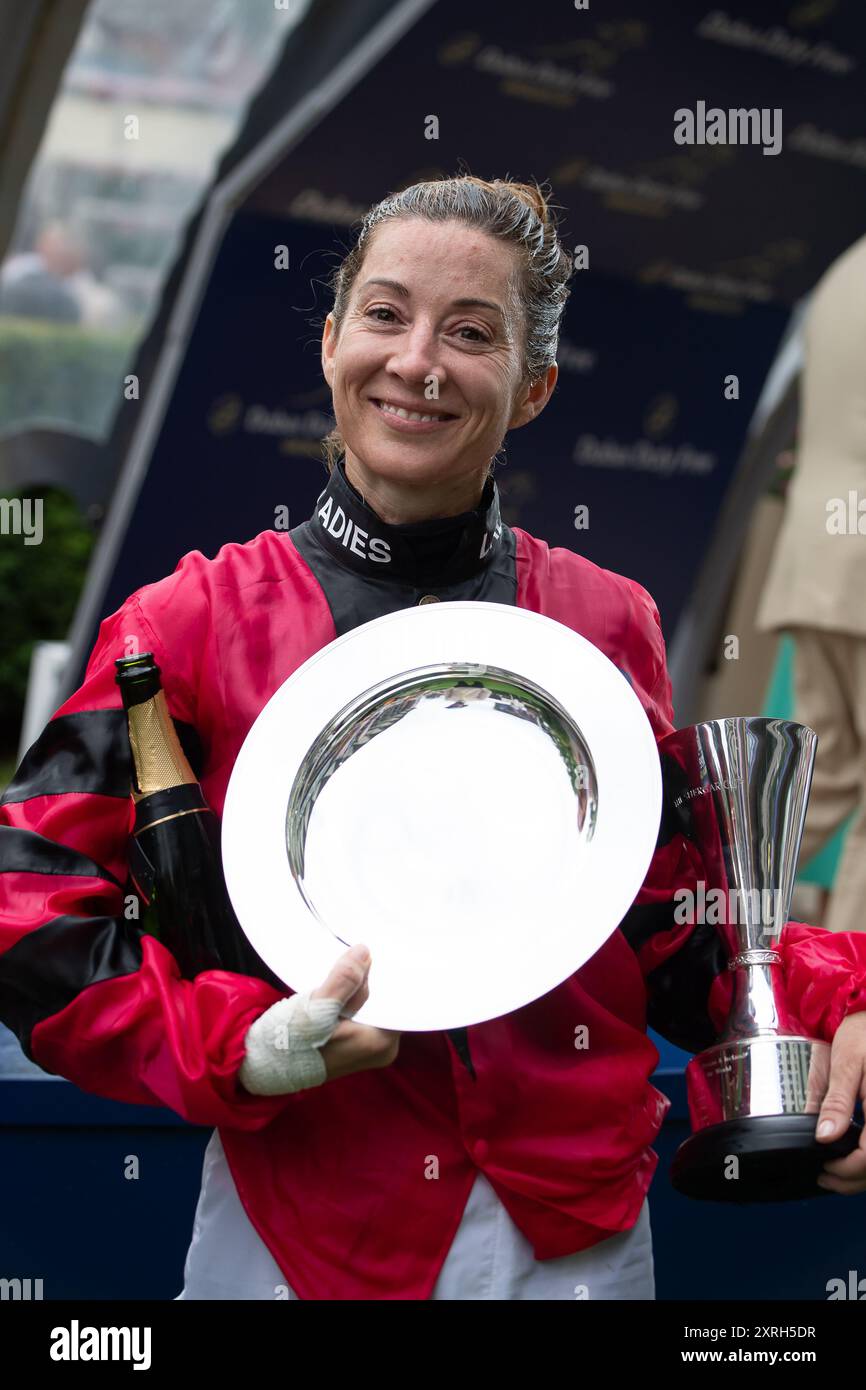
[471,789]
[737,791]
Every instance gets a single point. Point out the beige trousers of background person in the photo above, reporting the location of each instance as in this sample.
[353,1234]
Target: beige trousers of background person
[830,697]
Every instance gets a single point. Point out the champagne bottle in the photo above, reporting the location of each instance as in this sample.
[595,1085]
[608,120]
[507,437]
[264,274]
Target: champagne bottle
[174,856]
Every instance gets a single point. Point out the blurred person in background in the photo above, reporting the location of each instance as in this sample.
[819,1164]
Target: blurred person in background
[36,284]
[816,585]
[54,281]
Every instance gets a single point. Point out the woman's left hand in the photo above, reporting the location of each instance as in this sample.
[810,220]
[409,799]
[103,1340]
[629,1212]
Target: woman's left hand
[847,1083]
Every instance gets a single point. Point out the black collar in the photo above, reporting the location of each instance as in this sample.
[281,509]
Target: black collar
[445,550]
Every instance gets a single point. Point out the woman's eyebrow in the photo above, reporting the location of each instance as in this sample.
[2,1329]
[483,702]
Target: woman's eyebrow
[398,288]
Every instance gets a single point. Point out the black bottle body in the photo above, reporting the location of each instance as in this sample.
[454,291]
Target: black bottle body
[175,861]
[176,869]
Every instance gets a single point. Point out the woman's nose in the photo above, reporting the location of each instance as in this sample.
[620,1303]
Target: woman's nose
[415,354]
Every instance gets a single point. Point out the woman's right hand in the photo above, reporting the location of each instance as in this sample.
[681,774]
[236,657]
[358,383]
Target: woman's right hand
[303,1041]
[354,1046]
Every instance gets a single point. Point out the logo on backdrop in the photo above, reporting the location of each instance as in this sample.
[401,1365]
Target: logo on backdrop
[229,413]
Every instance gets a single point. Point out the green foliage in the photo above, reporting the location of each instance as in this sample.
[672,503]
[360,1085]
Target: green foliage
[61,375]
[39,588]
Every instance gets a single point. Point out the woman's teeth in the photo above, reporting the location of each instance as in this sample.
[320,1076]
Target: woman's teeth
[408,414]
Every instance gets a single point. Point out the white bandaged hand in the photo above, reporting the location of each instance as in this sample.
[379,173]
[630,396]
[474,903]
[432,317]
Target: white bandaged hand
[282,1045]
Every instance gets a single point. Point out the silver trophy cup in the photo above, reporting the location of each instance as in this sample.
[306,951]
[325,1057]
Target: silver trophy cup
[736,790]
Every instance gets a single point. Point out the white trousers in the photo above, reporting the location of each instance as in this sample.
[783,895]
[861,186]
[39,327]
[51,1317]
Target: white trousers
[489,1258]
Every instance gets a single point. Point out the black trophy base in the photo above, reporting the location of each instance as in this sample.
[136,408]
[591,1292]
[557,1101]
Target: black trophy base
[778,1159]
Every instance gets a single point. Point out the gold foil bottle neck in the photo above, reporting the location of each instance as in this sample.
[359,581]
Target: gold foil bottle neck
[159,760]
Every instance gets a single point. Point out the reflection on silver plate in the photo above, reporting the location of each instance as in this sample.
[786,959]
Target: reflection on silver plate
[471,789]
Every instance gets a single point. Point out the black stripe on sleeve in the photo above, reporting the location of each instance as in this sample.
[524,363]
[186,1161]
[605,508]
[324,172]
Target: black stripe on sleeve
[87,753]
[23,851]
[678,989]
[49,967]
[645,920]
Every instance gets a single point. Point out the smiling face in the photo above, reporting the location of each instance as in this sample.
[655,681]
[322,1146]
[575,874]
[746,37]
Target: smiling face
[434,308]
